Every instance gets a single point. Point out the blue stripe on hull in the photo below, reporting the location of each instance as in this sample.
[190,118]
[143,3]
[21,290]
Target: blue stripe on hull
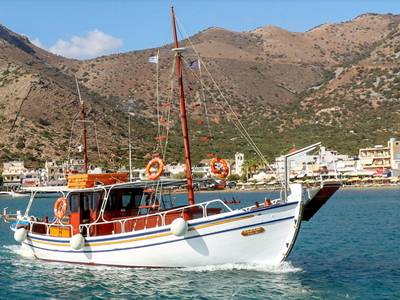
[162,243]
[135,235]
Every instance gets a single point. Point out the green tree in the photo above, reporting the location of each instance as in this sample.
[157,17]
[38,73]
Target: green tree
[233,177]
[243,177]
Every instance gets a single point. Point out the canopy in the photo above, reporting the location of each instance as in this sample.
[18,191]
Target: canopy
[354,179]
[366,179]
[366,161]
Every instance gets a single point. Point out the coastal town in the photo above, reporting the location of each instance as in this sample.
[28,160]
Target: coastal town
[374,166]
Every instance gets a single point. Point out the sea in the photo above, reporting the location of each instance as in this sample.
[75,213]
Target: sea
[349,250]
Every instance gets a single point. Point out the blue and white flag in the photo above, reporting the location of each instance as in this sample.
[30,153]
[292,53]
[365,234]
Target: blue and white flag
[194,64]
[153,59]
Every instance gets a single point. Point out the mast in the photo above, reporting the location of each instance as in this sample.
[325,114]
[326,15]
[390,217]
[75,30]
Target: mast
[183,116]
[85,169]
[130,149]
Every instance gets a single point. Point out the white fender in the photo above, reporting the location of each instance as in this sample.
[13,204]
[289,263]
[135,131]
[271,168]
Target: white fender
[20,235]
[179,227]
[77,241]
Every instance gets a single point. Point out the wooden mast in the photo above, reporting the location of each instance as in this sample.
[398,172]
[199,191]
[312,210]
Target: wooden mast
[183,116]
[85,168]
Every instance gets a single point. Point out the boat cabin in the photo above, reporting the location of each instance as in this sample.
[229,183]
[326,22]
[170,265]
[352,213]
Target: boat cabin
[99,210]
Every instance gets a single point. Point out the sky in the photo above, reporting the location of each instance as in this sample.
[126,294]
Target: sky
[84,29]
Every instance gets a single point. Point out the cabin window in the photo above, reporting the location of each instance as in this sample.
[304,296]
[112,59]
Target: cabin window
[112,200]
[95,201]
[131,198]
[74,203]
[86,200]
[127,198]
[87,197]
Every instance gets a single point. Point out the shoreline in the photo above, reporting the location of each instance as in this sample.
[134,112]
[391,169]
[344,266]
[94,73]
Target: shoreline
[234,190]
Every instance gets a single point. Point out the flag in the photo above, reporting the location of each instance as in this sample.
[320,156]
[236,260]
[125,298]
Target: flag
[194,64]
[153,59]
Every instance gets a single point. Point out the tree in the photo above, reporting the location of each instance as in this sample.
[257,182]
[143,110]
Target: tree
[243,177]
[180,175]
[245,168]
[233,177]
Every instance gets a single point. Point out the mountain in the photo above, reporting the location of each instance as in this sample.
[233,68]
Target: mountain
[336,83]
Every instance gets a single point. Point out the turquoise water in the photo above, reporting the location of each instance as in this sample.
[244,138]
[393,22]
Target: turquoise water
[348,250]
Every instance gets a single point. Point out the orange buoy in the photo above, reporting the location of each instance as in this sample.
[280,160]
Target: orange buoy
[219,172]
[60,208]
[159,171]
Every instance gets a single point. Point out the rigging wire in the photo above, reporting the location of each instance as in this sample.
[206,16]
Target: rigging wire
[235,120]
[202,100]
[70,138]
[97,141]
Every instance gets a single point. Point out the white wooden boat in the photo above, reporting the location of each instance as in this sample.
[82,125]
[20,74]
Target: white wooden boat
[107,225]
[104,220]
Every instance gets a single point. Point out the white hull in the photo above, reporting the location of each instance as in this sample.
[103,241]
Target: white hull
[265,235]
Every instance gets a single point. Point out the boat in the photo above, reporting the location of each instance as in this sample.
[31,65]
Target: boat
[19,194]
[104,219]
[14,194]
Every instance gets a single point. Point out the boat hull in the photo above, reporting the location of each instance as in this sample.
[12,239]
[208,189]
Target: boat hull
[259,235]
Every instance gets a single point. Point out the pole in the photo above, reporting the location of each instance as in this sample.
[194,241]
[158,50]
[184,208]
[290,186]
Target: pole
[130,150]
[85,168]
[183,117]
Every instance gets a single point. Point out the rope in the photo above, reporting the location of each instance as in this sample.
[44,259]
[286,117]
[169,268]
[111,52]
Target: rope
[97,141]
[235,120]
[70,139]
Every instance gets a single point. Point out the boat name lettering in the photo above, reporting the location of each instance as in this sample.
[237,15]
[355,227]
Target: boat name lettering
[253,231]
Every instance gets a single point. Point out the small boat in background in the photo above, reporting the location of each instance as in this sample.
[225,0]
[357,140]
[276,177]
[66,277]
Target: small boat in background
[19,194]
[14,194]
[5,194]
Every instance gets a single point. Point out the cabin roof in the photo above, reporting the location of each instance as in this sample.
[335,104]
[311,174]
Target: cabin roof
[168,183]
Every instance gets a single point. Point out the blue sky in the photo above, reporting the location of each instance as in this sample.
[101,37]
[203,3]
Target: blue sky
[88,28]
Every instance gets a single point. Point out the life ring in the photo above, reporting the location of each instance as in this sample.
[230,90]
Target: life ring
[220,173]
[60,208]
[159,171]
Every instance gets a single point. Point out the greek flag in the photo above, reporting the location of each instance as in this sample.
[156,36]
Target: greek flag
[194,64]
[153,59]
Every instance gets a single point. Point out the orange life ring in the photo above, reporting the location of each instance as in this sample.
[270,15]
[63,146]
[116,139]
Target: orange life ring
[220,173]
[60,208]
[159,171]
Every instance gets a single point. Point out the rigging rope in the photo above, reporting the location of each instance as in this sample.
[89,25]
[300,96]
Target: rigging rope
[236,121]
[70,138]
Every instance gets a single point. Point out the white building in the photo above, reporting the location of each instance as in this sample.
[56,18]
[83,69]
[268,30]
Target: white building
[239,159]
[324,161]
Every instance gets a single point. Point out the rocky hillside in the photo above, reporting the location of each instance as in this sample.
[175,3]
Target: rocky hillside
[337,83]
